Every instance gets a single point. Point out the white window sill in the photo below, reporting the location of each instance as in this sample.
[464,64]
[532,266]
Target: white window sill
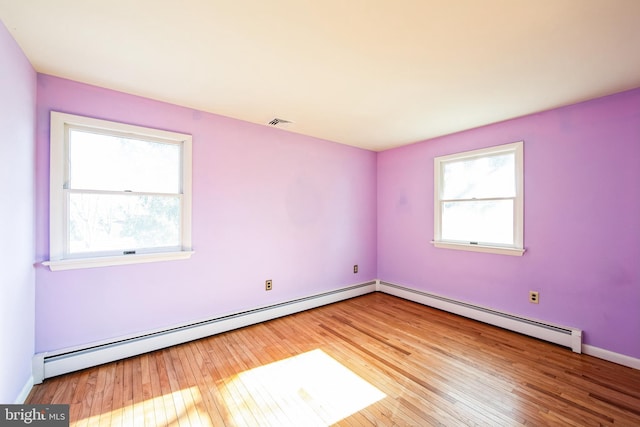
[479,248]
[77,263]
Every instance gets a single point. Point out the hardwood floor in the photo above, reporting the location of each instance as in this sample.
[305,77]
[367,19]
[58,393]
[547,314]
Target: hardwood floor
[371,360]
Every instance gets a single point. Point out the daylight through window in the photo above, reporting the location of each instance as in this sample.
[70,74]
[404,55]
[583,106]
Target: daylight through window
[120,194]
[479,200]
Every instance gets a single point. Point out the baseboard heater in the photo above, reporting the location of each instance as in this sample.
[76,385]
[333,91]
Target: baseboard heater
[561,335]
[47,365]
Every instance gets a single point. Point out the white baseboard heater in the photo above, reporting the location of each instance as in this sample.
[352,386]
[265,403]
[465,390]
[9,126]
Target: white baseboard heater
[47,365]
[561,335]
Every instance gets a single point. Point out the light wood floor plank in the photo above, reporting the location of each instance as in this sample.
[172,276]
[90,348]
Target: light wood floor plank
[127,391]
[106,407]
[230,389]
[155,391]
[185,417]
[211,383]
[171,416]
[137,397]
[200,380]
[422,367]
[96,402]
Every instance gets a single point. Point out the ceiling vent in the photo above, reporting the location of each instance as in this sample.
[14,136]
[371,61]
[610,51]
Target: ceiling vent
[277,121]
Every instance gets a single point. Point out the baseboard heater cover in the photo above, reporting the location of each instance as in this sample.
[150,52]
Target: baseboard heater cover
[561,335]
[50,365]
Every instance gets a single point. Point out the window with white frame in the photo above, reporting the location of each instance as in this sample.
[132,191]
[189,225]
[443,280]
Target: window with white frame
[119,194]
[478,203]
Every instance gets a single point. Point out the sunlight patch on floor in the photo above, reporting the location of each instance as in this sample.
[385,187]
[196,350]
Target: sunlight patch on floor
[309,389]
[151,412]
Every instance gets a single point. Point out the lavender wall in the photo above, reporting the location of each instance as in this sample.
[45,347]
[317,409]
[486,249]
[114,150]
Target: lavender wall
[275,205]
[17,279]
[267,204]
[582,222]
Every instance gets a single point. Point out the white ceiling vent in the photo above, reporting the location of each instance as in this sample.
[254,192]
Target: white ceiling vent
[277,121]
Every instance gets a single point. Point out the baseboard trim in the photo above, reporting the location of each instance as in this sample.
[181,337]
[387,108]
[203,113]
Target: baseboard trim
[610,356]
[47,365]
[561,335]
[24,393]
[50,365]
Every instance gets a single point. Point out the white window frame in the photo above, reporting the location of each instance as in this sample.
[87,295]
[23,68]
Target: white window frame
[517,249]
[58,211]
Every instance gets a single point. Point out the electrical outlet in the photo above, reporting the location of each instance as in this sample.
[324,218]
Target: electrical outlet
[355,269]
[268,285]
[534,297]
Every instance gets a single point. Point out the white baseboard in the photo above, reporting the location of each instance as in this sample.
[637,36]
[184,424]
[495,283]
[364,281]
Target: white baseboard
[561,335]
[74,359]
[46,365]
[610,356]
[469,311]
[24,393]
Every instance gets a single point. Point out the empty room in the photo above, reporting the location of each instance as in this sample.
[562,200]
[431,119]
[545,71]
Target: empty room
[294,213]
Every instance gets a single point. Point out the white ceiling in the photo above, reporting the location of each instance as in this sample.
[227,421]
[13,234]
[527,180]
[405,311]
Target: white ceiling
[369,73]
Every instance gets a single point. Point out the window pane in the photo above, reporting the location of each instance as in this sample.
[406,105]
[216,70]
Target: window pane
[485,177]
[478,221]
[113,163]
[107,222]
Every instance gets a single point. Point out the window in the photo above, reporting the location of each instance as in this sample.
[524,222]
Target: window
[478,202]
[119,194]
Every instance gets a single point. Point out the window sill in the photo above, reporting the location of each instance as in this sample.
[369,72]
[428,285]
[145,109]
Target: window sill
[74,264]
[479,248]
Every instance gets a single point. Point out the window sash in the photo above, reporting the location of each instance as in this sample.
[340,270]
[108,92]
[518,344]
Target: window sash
[59,256]
[502,233]
[486,183]
[96,227]
[123,167]
[515,246]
